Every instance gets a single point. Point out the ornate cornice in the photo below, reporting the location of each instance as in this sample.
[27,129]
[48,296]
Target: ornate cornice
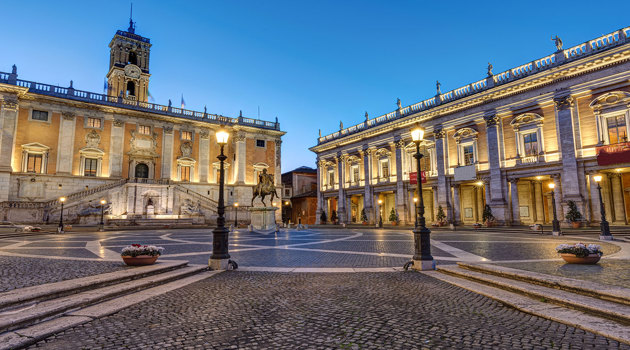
[204,133]
[400,144]
[239,137]
[168,130]
[119,123]
[11,104]
[563,102]
[439,133]
[68,115]
[491,120]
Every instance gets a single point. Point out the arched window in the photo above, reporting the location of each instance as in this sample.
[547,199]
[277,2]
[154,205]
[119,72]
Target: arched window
[133,58]
[142,171]
[131,88]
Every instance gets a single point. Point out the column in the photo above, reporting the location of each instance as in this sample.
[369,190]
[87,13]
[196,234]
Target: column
[240,149]
[558,197]
[516,209]
[538,202]
[8,123]
[596,213]
[443,190]
[566,141]
[619,216]
[320,196]
[494,189]
[368,202]
[116,148]
[401,194]
[341,199]
[435,203]
[167,152]
[65,144]
[456,204]
[204,155]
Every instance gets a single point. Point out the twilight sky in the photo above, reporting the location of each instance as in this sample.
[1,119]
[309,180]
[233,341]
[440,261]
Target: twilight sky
[312,64]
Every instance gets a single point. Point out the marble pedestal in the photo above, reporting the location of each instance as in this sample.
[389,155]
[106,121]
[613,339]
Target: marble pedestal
[263,219]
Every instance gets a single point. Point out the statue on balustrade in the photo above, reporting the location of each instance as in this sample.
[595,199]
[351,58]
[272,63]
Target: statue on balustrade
[558,42]
[265,187]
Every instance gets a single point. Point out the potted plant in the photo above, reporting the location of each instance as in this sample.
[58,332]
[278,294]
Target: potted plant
[323,218]
[364,217]
[333,217]
[580,253]
[441,217]
[140,255]
[487,216]
[393,217]
[573,216]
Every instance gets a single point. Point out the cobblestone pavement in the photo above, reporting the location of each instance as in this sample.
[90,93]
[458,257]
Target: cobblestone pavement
[20,272]
[248,310]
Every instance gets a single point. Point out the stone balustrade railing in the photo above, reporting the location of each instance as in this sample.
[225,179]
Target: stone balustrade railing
[81,194]
[198,196]
[122,102]
[590,47]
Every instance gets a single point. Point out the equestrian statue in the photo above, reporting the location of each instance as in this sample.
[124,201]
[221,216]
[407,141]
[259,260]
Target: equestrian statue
[265,187]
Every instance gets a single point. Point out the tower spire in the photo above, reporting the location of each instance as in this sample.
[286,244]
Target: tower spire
[132,26]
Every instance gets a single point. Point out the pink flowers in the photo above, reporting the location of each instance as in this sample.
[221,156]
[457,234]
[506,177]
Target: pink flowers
[139,249]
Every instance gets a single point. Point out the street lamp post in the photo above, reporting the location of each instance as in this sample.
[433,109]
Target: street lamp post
[422,259]
[605,228]
[101,225]
[415,210]
[380,213]
[60,228]
[555,223]
[220,255]
[235,215]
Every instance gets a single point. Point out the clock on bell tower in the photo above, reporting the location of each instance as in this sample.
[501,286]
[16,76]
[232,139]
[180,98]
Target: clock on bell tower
[128,74]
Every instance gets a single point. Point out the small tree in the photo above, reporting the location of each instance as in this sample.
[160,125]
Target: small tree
[323,218]
[487,214]
[393,216]
[333,216]
[574,214]
[364,217]
[440,214]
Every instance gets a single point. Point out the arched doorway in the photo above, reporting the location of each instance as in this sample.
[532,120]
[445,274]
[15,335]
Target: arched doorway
[142,171]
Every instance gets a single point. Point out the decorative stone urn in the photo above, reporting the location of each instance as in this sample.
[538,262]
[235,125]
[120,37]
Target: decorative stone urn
[140,260]
[573,259]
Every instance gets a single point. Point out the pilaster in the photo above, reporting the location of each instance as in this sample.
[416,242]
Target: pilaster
[494,187]
[443,191]
[204,155]
[401,194]
[241,157]
[565,135]
[167,152]
[341,200]
[368,201]
[516,209]
[8,125]
[67,127]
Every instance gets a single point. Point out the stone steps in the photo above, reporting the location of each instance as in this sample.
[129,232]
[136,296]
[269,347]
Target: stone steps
[604,310]
[34,313]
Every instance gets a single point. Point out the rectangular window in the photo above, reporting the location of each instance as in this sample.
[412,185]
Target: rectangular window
[185,173]
[331,177]
[385,168]
[187,135]
[355,173]
[260,143]
[287,193]
[144,129]
[34,163]
[469,155]
[94,123]
[40,115]
[90,167]
[617,129]
[530,143]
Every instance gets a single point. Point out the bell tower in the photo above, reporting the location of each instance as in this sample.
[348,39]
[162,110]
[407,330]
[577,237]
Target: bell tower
[128,74]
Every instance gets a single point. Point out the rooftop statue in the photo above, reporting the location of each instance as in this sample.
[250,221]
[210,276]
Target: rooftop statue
[398,103]
[366,116]
[340,125]
[558,42]
[437,86]
[264,187]
[490,69]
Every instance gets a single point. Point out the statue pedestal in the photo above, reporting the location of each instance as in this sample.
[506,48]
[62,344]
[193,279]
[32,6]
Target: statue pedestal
[150,210]
[263,219]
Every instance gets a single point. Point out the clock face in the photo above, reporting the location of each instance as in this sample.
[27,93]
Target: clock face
[131,70]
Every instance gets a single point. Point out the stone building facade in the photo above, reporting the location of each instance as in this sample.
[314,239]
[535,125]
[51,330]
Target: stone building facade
[148,161]
[499,141]
[299,196]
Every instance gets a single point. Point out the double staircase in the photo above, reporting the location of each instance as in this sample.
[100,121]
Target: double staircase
[593,307]
[31,314]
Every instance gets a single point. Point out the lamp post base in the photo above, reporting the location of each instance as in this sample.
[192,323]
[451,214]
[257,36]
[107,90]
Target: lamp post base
[218,264]
[423,265]
[605,237]
[556,233]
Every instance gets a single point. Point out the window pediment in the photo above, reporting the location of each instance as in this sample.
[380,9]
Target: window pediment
[383,152]
[260,166]
[526,119]
[465,133]
[35,147]
[611,99]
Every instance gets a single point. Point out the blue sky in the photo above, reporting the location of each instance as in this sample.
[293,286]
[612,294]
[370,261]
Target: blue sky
[311,64]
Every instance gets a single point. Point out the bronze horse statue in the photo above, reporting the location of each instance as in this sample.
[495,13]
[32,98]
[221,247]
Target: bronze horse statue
[264,187]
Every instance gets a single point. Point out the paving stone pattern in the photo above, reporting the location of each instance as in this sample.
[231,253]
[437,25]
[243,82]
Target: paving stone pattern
[247,310]
[20,272]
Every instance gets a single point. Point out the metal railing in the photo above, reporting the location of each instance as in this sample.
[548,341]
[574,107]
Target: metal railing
[604,42]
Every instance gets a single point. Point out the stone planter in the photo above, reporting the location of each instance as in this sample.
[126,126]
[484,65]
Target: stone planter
[140,260]
[572,259]
[576,224]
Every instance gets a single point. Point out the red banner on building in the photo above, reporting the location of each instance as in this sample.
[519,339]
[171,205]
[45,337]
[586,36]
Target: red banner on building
[413,177]
[613,154]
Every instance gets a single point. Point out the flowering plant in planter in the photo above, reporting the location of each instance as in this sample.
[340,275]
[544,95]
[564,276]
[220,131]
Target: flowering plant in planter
[580,250]
[139,249]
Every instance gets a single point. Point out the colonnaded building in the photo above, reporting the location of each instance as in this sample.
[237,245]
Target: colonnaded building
[148,161]
[560,119]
